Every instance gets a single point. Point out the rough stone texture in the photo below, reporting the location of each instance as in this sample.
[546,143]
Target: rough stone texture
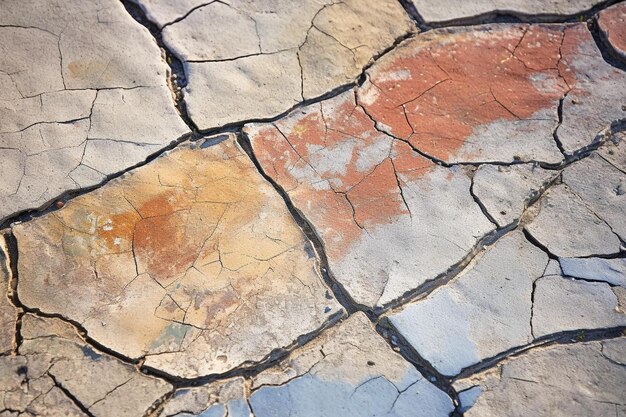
[579,380]
[8,314]
[220,399]
[567,304]
[581,232]
[389,218]
[257,59]
[451,10]
[52,356]
[505,191]
[612,271]
[192,261]
[612,25]
[349,371]
[83,94]
[484,312]
[603,188]
[491,93]
[614,151]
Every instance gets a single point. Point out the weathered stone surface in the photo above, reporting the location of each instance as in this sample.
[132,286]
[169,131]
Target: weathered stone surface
[72,79]
[505,191]
[348,371]
[220,399]
[192,261]
[389,218]
[580,232]
[602,187]
[491,93]
[612,25]
[614,151]
[578,380]
[8,314]
[101,383]
[612,271]
[450,10]
[257,59]
[52,361]
[484,312]
[566,304]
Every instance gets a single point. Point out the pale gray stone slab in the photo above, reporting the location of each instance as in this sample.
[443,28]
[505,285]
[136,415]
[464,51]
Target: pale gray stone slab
[553,268]
[576,380]
[612,271]
[348,371]
[450,10]
[602,187]
[73,72]
[505,191]
[480,314]
[562,304]
[614,151]
[568,228]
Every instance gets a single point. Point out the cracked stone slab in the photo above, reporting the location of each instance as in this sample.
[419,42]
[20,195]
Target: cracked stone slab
[577,380]
[562,304]
[356,374]
[226,398]
[280,53]
[57,373]
[83,94]
[450,10]
[388,218]
[612,271]
[491,93]
[506,191]
[612,25]
[192,261]
[603,188]
[581,233]
[485,311]
[8,313]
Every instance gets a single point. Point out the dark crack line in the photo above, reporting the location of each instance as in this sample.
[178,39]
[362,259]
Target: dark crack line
[70,396]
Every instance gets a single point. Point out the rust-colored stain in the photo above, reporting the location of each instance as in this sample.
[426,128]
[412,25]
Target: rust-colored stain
[613,22]
[436,90]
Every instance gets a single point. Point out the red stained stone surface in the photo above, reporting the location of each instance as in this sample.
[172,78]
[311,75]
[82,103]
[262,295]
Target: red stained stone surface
[612,23]
[364,193]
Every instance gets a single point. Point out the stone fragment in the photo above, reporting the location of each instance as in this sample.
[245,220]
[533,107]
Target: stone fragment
[603,188]
[577,380]
[348,371]
[553,268]
[484,312]
[491,93]
[566,304]
[612,25]
[226,398]
[581,232]
[597,91]
[277,52]
[389,219]
[72,75]
[452,11]
[102,384]
[192,261]
[8,313]
[612,271]
[506,191]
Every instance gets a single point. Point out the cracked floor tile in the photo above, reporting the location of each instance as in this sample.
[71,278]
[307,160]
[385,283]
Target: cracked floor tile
[481,313]
[453,11]
[349,371]
[83,94]
[492,93]
[54,368]
[577,380]
[612,25]
[280,53]
[192,262]
[388,218]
